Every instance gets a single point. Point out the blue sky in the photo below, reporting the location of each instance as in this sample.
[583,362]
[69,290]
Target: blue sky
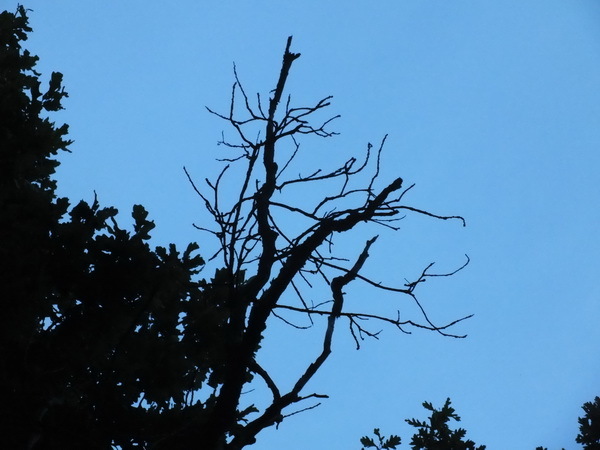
[492,109]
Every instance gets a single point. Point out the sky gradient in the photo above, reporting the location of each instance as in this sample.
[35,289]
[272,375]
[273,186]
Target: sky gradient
[492,108]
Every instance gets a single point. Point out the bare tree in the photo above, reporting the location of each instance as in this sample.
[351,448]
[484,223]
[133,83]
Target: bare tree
[255,236]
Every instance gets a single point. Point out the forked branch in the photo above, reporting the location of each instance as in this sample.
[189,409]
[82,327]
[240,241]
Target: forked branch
[257,234]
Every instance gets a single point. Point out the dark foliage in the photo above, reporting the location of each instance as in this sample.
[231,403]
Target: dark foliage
[90,313]
[589,426]
[380,442]
[437,435]
[106,342]
[432,435]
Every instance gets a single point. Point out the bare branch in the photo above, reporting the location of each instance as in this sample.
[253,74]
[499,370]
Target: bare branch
[255,236]
[256,368]
[397,322]
[426,213]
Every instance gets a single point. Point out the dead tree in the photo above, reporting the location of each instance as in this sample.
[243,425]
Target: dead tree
[254,239]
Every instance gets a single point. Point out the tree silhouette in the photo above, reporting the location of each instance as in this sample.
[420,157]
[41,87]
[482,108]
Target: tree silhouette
[432,435]
[589,425]
[90,314]
[437,434]
[109,343]
[252,230]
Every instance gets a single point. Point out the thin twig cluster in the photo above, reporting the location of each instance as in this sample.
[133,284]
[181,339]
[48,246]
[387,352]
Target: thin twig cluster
[253,238]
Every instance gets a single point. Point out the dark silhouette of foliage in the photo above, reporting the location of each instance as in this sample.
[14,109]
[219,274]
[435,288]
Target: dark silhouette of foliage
[380,442]
[432,435]
[108,343]
[589,426]
[90,314]
[437,434]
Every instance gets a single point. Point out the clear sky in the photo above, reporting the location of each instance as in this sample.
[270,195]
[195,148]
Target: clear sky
[492,109]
